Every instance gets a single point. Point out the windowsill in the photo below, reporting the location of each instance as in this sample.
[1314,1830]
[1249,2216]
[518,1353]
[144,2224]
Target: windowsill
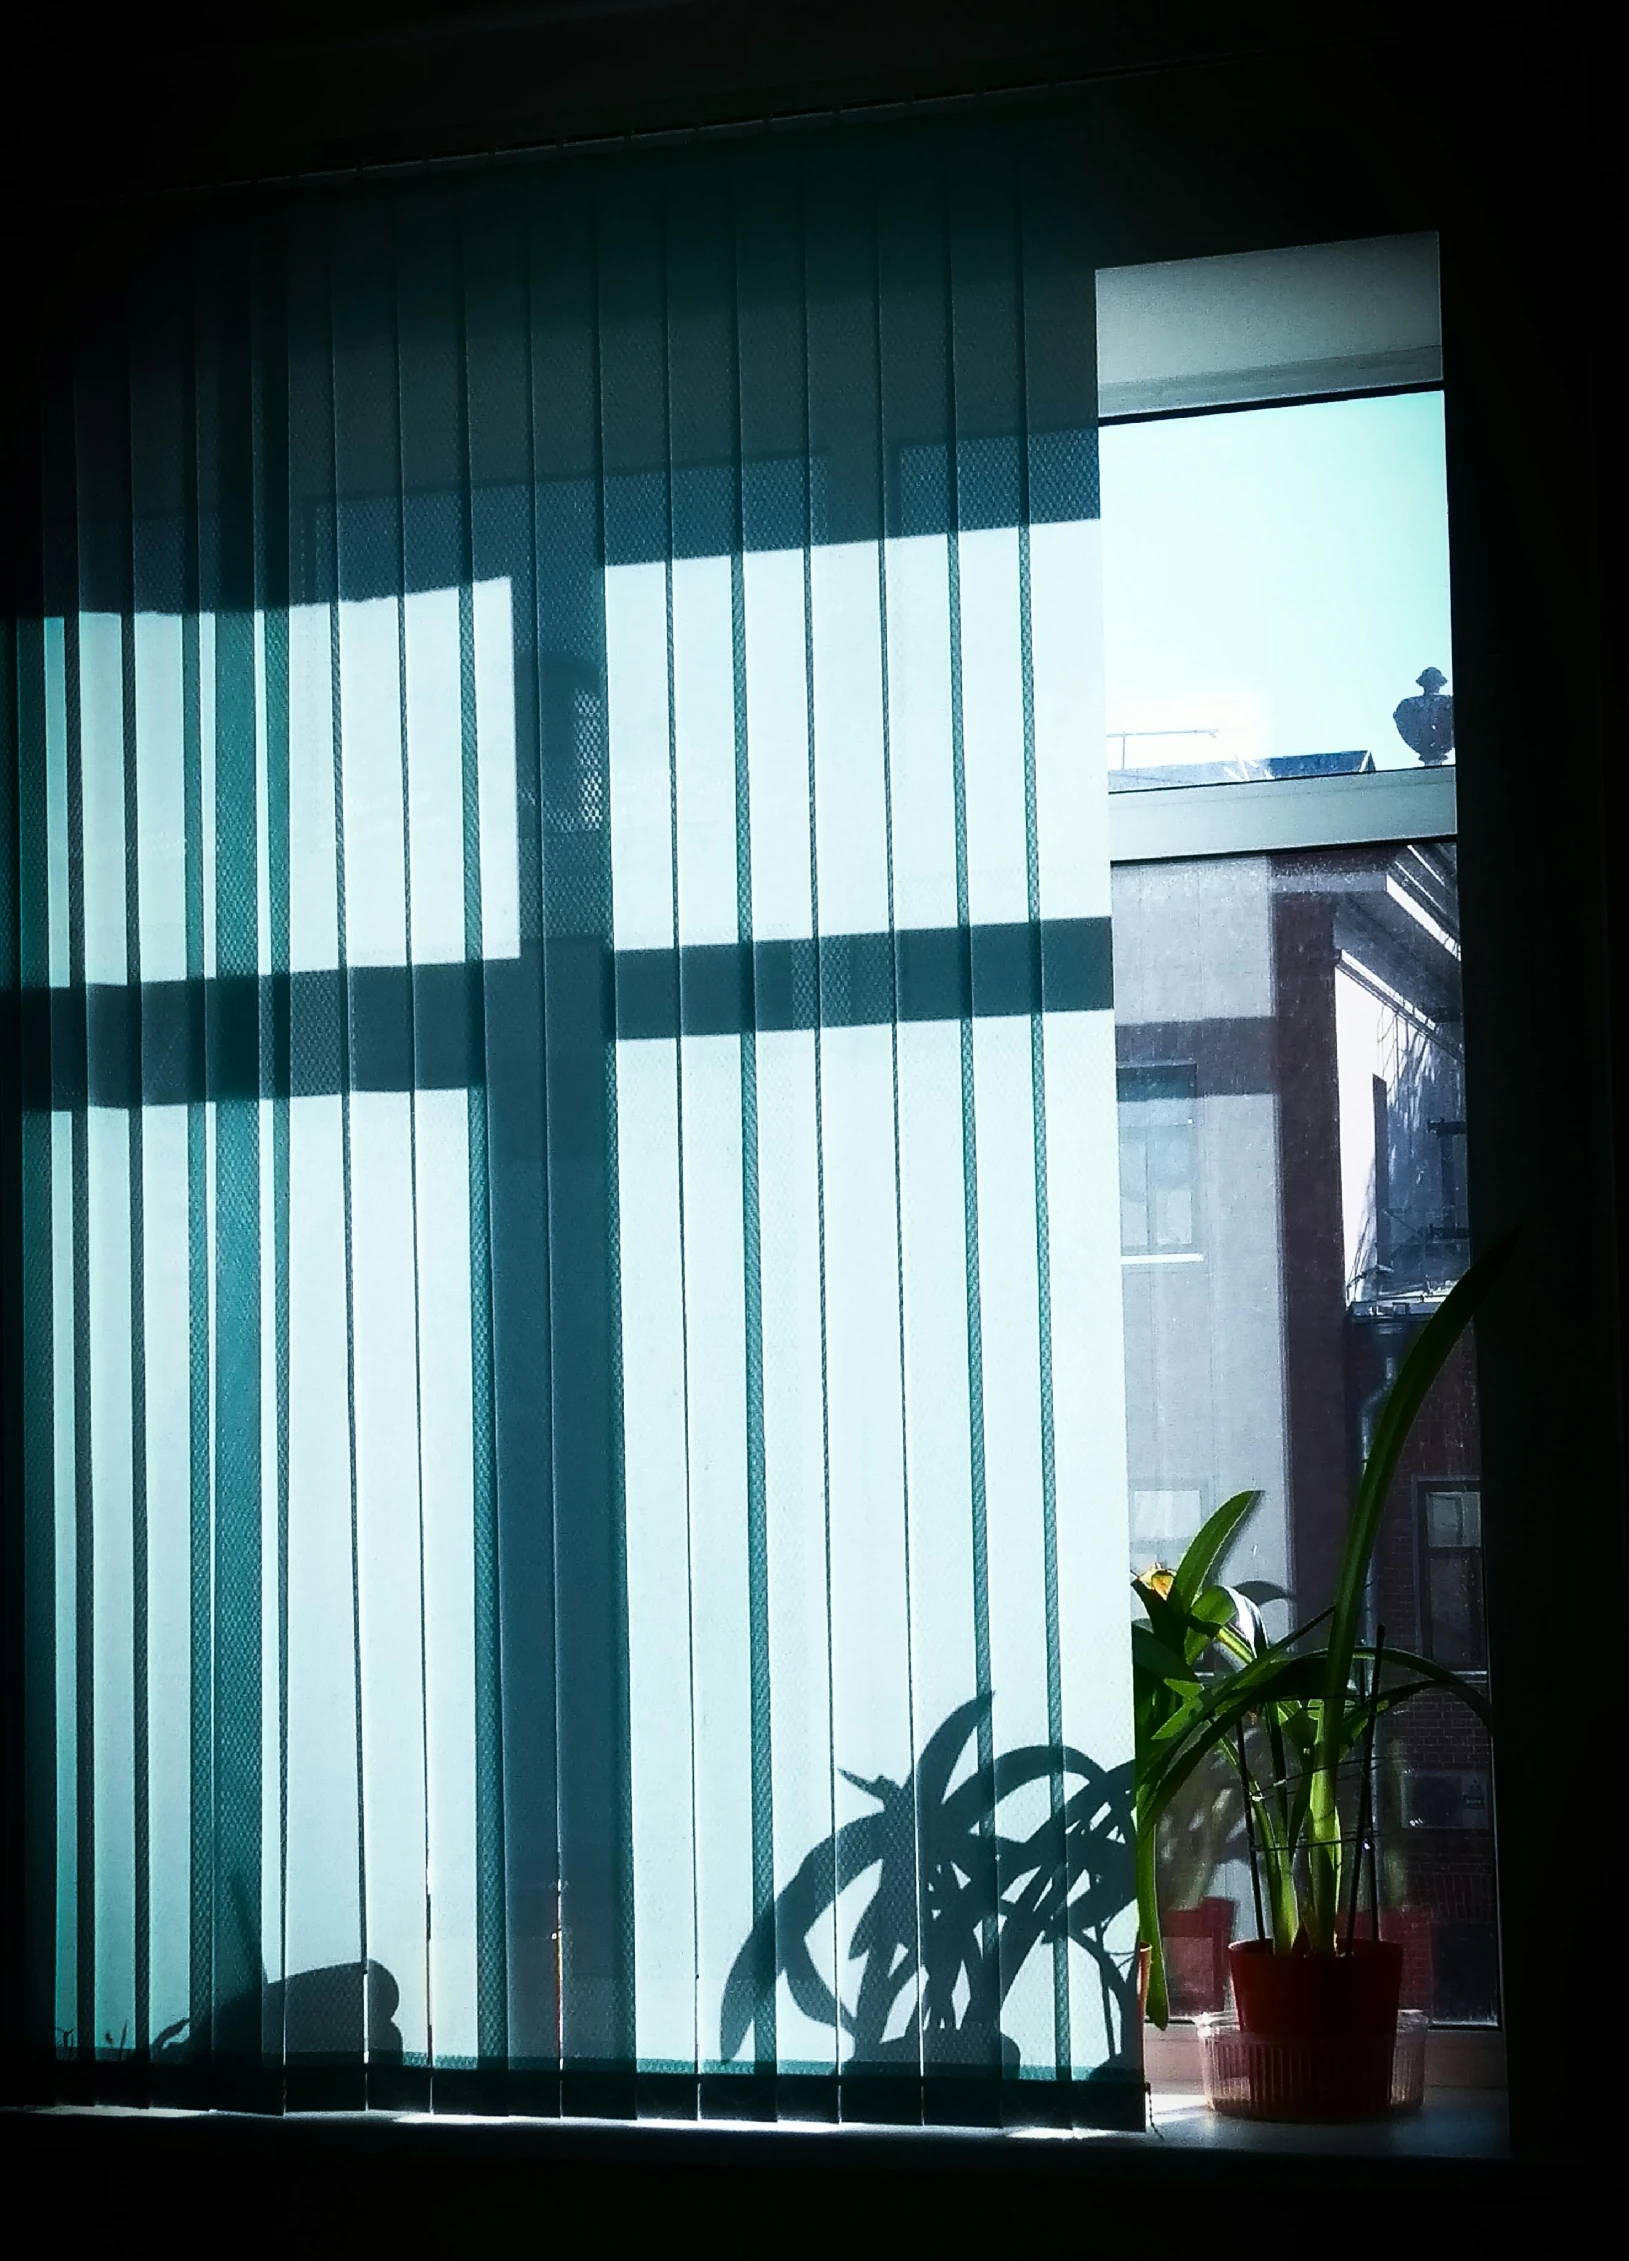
[1463,2117]
[1468,2123]
[1464,2114]
[1452,2123]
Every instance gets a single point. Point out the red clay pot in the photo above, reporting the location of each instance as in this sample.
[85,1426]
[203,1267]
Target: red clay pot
[1324,2028]
[1305,1997]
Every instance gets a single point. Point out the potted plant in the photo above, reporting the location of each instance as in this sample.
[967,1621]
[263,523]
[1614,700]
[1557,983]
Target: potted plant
[1287,1717]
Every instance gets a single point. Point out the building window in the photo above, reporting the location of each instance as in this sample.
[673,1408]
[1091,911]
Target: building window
[1451,1623]
[1159,1161]
[1163,1519]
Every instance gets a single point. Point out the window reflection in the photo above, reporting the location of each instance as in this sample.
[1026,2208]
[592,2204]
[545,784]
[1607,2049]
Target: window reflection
[1292,1167]
[1275,586]
[1159,1160]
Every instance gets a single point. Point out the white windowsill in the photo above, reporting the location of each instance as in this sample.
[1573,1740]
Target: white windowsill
[1463,2115]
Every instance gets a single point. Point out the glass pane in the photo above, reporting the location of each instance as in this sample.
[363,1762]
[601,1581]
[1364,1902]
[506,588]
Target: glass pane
[1316,1000]
[1171,1179]
[1158,1206]
[1162,1522]
[1454,1607]
[1445,1514]
[1133,1188]
[1276,593]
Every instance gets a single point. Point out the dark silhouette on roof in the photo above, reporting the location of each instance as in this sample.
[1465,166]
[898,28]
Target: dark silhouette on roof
[1426,724]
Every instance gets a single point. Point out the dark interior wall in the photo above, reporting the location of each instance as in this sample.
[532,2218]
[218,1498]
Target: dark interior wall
[170,94]
[1206,128]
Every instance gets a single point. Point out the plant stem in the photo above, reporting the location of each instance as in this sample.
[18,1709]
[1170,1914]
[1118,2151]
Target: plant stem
[1368,1769]
[1250,1837]
[1366,1800]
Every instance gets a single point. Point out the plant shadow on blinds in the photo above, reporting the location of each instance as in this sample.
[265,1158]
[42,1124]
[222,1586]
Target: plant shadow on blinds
[574,1446]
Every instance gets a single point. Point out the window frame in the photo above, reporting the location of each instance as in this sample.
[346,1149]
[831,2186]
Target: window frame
[1192,1250]
[1540,979]
[1229,145]
[1216,821]
[1425,1488]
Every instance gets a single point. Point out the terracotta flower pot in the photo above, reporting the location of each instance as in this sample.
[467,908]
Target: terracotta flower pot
[1303,1996]
[1322,2029]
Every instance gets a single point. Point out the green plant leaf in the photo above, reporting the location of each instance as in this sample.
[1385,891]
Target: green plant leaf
[1209,1618]
[1178,1724]
[1205,1549]
[1151,1655]
[1424,1361]
[1148,1926]
[1167,1620]
[1248,1619]
[1276,1678]
[1240,1631]
[1439,1676]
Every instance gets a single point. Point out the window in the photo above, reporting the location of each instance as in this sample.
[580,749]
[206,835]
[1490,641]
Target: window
[1163,1520]
[1276,581]
[607,1236]
[1451,1576]
[1286,925]
[1159,1162]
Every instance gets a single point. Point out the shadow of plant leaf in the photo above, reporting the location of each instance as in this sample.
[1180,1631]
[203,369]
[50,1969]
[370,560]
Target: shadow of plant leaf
[959,1906]
[337,2014]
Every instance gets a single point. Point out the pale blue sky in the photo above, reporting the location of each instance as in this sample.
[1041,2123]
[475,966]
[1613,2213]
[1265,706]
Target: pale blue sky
[1280,572]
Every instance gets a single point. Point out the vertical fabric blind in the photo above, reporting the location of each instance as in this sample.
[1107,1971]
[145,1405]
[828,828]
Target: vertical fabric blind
[570,1389]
